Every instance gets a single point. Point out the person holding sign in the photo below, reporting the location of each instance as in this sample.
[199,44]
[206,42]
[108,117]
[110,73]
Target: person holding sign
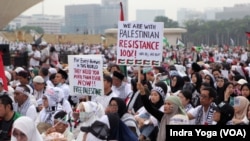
[123,89]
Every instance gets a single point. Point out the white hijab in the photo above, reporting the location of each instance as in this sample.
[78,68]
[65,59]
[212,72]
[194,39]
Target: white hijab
[27,126]
[95,110]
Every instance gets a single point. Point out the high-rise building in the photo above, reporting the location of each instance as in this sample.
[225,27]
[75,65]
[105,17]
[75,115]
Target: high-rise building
[184,15]
[93,18]
[239,11]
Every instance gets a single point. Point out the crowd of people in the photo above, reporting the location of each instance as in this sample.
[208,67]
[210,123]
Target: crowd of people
[209,88]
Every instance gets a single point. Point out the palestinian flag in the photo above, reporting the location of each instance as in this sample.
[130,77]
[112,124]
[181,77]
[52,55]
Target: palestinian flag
[121,61]
[122,67]
[155,63]
[146,62]
[138,62]
[130,62]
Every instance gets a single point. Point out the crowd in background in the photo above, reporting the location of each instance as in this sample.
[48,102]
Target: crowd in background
[208,86]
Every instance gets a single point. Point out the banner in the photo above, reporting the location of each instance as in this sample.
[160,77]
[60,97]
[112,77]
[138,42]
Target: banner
[139,43]
[86,75]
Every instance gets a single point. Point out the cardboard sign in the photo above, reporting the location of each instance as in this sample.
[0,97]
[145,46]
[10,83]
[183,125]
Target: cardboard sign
[139,43]
[86,74]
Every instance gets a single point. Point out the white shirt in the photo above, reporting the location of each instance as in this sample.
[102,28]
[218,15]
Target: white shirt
[34,62]
[104,99]
[123,91]
[31,112]
[45,54]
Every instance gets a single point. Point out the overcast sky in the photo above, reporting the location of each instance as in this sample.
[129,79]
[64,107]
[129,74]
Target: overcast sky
[56,7]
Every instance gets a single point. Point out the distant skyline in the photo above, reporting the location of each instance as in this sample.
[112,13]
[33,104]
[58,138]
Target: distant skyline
[56,7]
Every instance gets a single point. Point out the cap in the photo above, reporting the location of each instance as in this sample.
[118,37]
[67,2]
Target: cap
[52,70]
[18,69]
[241,81]
[38,79]
[118,75]
[63,73]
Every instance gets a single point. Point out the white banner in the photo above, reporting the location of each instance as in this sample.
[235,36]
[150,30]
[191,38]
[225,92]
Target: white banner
[139,43]
[85,74]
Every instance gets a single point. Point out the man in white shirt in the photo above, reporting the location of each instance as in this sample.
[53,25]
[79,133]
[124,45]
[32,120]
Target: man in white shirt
[23,104]
[108,93]
[44,53]
[121,88]
[35,56]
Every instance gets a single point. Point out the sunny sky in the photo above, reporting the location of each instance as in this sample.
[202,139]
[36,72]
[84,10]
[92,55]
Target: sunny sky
[56,7]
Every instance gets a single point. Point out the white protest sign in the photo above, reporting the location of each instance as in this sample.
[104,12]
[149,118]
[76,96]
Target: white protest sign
[139,43]
[85,75]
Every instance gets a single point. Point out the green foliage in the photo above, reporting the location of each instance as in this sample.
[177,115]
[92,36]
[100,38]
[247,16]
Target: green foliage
[35,28]
[168,23]
[217,32]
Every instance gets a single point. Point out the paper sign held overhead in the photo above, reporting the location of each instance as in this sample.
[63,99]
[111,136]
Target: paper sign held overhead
[139,43]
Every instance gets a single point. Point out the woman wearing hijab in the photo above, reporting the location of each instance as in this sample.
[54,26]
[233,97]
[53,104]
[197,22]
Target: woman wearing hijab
[196,80]
[147,122]
[117,105]
[248,113]
[24,129]
[172,106]
[89,112]
[176,84]
[240,109]
[245,90]
[223,114]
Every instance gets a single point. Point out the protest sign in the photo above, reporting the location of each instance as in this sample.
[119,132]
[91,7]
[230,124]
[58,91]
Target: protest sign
[139,43]
[86,75]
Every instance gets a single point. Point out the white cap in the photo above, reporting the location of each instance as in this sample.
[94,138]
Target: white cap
[8,75]
[38,79]
[241,81]
[18,69]
[52,70]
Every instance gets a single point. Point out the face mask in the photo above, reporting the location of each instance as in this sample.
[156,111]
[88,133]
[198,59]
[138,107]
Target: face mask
[84,116]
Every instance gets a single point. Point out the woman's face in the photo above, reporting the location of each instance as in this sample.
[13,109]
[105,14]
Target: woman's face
[207,79]
[19,135]
[45,102]
[113,106]
[194,78]
[216,116]
[245,91]
[154,97]
[230,88]
[173,81]
[183,99]
[168,107]
[220,83]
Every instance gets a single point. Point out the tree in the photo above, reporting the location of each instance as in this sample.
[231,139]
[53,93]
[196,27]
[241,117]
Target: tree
[168,23]
[35,28]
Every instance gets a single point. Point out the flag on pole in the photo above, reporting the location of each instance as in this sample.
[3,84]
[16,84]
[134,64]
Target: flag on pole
[122,67]
[248,38]
[165,42]
[121,12]
[2,73]
[180,43]
[232,42]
